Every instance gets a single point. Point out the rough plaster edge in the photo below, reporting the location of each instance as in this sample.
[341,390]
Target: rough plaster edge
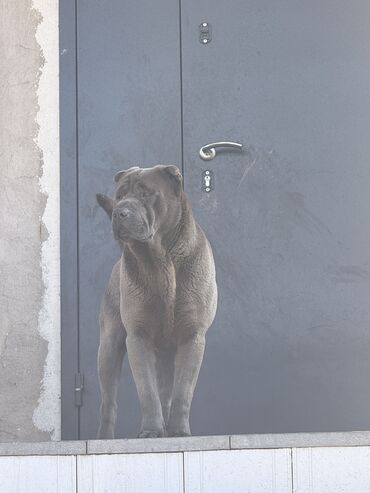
[46,416]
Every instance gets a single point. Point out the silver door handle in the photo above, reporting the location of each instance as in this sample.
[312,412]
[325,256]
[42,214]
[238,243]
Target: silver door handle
[208,151]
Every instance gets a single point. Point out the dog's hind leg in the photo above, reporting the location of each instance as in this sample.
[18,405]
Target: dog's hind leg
[110,355]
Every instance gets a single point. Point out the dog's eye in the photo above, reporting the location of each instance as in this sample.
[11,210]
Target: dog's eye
[147,193]
[121,192]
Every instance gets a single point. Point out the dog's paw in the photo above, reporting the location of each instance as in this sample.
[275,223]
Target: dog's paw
[150,434]
[178,434]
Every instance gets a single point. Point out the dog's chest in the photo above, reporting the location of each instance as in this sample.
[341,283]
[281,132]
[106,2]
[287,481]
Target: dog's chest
[148,295]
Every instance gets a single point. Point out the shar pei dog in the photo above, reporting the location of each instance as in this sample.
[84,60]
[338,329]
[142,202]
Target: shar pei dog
[159,303]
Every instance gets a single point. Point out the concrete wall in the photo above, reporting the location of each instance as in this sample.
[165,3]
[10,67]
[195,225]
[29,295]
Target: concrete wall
[292,463]
[29,221]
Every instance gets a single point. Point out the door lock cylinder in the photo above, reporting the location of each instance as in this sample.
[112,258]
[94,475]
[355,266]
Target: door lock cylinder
[207,180]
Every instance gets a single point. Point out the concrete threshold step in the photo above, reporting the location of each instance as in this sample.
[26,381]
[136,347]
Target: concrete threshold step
[184,444]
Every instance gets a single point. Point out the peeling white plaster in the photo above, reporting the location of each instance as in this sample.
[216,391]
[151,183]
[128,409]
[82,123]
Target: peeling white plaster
[46,416]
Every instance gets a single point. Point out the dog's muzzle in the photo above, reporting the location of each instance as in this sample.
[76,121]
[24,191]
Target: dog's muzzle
[129,223]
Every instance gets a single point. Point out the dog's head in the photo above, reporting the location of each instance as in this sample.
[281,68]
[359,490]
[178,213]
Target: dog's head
[147,201]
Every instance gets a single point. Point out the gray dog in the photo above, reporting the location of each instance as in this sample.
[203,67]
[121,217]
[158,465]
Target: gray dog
[159,303]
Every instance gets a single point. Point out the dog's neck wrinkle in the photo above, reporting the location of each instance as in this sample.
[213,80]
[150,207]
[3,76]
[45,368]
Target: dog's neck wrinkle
[145,261]
[179,241]
[151,270]
[153,265]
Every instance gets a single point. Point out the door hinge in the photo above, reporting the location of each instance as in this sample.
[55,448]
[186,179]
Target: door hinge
[79,385]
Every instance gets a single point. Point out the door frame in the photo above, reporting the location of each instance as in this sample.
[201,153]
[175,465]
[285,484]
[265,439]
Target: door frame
[68,80]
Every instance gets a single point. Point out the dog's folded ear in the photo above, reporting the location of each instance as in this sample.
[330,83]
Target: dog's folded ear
[120,174]
[175,174]
[106,203]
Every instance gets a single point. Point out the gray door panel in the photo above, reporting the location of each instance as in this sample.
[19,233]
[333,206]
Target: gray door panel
[289,218]
[129,114]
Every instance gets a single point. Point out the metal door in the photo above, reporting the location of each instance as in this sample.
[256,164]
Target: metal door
[288,216]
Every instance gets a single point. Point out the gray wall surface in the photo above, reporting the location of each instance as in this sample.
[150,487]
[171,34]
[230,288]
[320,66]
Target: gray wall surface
[29,326]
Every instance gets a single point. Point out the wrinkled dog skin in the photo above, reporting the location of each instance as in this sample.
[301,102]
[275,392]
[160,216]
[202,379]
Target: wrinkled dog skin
[159,303]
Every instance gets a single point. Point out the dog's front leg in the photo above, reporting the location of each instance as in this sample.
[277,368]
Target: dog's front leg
[111,351]
[141,357]
[188,361]
[165,374]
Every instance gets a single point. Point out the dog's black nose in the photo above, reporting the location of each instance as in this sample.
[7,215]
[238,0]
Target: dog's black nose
[121,213]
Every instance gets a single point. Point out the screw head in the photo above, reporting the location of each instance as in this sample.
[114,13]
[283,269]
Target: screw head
[208,189]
